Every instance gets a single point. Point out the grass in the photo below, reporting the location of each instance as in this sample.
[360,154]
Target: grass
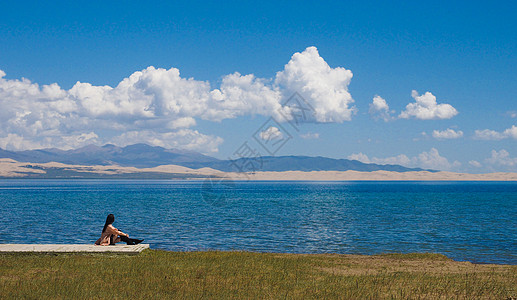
[158,274]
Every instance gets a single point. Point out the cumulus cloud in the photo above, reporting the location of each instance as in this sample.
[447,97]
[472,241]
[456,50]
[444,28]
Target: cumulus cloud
[158,106]
[433,160]
[325,88]
[401,159]
[184,139]
[185,122]
[310,136]
[34,116]
[243,95]
[475,163]
[360,157]
[488,134]
[426,160]
[271,133]
[13,142]
[426,107]
[511,132]
[502,158]
[379,109]
[447,134]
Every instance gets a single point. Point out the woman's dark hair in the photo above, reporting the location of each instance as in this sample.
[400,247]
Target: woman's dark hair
[109,220]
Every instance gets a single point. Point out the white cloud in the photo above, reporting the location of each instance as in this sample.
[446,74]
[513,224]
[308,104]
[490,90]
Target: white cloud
[183,139]
[310,136]
[78,140]
[271,133]
[14,142]
[401,159]
[475,163]
[379,109]
[182,123]
[161,101]
[433,160]
[487,134]
[447,134]
[511,132]
[512,114]
[502,158]
[243,95]
[425,160]
[360,157]
[425,107]
[153,99]
[325,88]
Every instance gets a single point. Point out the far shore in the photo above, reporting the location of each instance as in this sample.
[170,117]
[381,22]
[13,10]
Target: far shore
[13,169]
[376,176]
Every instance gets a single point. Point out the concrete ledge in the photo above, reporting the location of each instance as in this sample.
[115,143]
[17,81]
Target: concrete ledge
[71,248]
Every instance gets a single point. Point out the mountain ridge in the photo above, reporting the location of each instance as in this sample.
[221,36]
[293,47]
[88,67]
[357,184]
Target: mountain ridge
[145,156]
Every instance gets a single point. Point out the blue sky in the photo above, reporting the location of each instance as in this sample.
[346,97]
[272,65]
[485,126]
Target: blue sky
[462,52]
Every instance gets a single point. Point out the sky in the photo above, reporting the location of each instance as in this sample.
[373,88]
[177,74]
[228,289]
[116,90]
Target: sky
[430,85]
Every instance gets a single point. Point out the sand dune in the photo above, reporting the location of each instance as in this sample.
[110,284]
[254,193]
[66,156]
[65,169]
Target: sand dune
[378,175]
[12,169]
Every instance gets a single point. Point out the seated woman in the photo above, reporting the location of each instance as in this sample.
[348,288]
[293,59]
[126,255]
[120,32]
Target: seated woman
[111,235]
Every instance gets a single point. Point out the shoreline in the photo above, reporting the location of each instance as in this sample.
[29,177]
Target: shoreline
[85,249]
[11,169]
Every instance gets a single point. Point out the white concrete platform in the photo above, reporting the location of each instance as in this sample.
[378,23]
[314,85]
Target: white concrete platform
[72,248]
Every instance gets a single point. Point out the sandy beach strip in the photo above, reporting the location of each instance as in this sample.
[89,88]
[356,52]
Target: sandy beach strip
[13,169]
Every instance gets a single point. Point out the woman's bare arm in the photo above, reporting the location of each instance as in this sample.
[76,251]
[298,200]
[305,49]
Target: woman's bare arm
[114,230]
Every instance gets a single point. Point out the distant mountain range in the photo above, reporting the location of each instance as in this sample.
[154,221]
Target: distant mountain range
[145,156]
[138,155]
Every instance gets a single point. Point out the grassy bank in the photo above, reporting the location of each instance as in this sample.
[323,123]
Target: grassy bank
[195,275]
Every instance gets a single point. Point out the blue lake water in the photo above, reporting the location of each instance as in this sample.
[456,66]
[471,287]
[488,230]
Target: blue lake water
[473,221]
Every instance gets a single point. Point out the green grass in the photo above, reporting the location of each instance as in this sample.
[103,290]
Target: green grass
[242,275]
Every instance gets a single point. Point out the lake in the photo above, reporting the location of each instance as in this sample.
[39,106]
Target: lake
[472,221]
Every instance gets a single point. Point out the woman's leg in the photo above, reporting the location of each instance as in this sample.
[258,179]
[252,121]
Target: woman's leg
[126,239]
[130,241]
[114,240]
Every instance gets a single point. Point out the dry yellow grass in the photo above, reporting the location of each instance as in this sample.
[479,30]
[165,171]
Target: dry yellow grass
[243,275]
